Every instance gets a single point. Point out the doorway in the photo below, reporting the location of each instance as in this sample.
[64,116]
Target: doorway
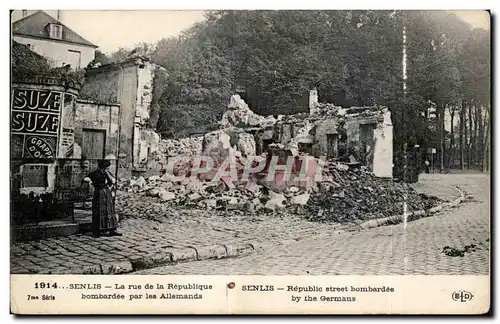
[332,145]
[93,144]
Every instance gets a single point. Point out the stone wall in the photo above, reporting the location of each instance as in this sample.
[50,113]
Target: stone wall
[383,155]
[313,101]
[74,165]
[58,53]
[129,83]
[353,128]
[312,131]
[322,130]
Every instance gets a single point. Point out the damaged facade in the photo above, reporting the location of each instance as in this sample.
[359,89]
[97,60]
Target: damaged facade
[357,134]
[366,133]
[357,144]
[129,83]
[107,119]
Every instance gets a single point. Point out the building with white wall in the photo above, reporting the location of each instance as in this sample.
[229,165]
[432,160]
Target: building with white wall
[47,36]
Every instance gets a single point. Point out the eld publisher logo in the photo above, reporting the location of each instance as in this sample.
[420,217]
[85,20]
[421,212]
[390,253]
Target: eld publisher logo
[462,296]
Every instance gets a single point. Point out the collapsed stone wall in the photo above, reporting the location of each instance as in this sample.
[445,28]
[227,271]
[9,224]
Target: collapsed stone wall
[343,195]
[335,196]
[188,146]
[242,133]
[240,115]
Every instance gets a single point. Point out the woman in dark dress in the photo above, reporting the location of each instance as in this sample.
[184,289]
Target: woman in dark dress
[104,218]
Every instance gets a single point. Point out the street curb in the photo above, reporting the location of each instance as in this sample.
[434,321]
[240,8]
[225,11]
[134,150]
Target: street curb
[169,256]
[172,256]
[393,220]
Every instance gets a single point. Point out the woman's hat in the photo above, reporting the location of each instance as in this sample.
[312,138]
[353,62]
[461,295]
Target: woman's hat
[104,163]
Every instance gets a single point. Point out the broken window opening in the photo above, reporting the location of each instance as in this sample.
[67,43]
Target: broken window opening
[332,142]
[367,140]
[306,148]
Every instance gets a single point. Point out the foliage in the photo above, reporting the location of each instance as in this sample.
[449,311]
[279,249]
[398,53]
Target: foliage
[26,65]
[99,59]
[273,58]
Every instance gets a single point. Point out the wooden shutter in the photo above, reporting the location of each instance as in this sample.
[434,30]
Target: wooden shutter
[93,144]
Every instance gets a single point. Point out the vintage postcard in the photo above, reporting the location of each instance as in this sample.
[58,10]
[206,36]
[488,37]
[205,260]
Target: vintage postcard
[250,162]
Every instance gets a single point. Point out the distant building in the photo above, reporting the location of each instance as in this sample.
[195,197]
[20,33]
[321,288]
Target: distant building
[20,14]
[47,36]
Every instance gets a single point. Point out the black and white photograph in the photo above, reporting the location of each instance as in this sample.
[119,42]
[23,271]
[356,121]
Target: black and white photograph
[250,142]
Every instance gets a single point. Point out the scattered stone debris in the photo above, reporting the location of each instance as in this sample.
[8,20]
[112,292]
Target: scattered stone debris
[470,199]
[356,195]
[343,195]
[454,252]
[240,115]
[189,146]
[346,192]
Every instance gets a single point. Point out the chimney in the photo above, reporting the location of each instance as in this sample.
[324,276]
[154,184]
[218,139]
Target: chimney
[313,101]
[25,13]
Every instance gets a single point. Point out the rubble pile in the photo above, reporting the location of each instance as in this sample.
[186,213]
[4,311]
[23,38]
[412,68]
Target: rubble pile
[302,136]
[457,252]
[240,115]
[327,109]
[324,110]
[185,146]
[343,195]
[355,195]
[296,119]
[191,192]
[364,111]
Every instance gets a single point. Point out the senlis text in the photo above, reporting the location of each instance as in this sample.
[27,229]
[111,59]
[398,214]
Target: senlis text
[257,288]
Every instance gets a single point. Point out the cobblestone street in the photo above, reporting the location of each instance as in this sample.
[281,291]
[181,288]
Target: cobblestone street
[418,249]
[286,245]
[145,237]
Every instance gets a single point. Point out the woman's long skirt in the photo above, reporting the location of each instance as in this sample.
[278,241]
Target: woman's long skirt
[103,211]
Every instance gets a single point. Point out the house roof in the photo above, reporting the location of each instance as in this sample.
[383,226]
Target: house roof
[35,25]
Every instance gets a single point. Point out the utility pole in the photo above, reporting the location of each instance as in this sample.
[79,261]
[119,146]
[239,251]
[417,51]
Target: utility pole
[405,143]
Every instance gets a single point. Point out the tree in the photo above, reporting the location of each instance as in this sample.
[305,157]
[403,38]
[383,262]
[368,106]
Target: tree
[273,59]
[198,86]
[27,64]
[475,67]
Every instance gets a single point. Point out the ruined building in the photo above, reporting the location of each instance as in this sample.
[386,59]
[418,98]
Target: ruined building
[356,135]
[61,130]
[361,134]
[130,84]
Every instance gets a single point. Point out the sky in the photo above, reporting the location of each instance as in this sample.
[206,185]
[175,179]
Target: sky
[112,29]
